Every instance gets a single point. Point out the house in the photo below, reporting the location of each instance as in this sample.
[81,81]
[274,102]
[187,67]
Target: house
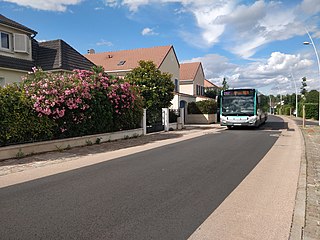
[210,86]
[210,89]
[16,57]
[19,52]
[119,63]
[192,80]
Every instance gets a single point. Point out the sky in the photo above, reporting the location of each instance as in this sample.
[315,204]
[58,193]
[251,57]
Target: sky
[256,44]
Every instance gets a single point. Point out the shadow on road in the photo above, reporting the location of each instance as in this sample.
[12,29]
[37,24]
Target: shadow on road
[275,126]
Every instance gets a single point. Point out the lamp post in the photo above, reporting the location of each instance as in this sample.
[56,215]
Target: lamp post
[280,100]
[316,52]
[270,105]
[295,86]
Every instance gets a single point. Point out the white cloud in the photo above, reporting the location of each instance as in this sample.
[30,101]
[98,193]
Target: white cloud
[310,6]
[214,65]
[111,3]
[104,43]
[268,75]
[244,27]
[48,5]
[282,63]
[148,31]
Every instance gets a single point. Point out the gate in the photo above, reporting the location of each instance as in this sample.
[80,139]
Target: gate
[154,121]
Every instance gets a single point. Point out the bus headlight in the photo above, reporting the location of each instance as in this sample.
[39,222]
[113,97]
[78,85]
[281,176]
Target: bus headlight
[223,119]
[252,119]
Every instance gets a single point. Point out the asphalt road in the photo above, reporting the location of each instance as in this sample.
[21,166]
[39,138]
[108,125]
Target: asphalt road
[164,193]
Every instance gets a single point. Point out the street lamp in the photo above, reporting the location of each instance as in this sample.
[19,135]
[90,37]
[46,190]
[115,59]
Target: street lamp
[316,52]
[295,86]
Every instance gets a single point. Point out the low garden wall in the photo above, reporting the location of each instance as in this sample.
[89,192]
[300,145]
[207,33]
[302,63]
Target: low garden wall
[201,118]
[21,150]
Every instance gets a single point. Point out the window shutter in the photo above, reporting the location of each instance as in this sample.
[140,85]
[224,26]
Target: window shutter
[20,43]
[2,82]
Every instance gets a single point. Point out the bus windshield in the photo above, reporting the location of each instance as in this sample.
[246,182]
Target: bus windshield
[237,106]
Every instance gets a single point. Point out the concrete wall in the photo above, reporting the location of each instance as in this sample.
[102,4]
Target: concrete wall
[171,65]
[175,102]
[198,80]
[187,88]
[47,146]
[11,76]
[201,118]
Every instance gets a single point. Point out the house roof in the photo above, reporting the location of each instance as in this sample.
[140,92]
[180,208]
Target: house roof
[129,59]
[50,55]
[188,71]
[57,54]
[207,83]
[15,63]
[6,21]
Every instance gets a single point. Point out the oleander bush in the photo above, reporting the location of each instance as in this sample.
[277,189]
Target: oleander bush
[58,105]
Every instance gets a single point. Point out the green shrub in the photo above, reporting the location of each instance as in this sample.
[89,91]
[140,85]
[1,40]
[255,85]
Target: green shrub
[285,110]
[202,107]
[312,110]
[19,123]
[131,118]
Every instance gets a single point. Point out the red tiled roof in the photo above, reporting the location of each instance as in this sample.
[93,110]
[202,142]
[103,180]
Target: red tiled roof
[207,83]
[188,71]
[111,61]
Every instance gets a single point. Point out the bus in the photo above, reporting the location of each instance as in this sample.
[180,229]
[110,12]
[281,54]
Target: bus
[241,107]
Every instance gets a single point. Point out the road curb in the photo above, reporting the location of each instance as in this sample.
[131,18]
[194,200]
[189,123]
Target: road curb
[299,213]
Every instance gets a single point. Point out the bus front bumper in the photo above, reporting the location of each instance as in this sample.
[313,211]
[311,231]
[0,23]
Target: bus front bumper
[238,121]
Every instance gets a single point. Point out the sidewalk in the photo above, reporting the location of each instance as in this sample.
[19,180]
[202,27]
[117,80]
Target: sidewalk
[312,214]
[261,206]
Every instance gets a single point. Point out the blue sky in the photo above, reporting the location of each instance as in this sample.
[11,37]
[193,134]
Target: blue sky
[251,43]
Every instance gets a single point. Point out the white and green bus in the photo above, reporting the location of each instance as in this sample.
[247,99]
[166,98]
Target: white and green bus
[241,107]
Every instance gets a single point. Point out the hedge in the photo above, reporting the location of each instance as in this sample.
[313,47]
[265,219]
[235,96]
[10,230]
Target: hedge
[312,110]
[202,107]
[19,122]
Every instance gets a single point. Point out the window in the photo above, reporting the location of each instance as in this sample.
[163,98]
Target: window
[5,41]
[121,63]
[21,43]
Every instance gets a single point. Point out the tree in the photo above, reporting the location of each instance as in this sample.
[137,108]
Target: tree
[156,88]
[225,85]
[312,96]
[211,93]
[264,103]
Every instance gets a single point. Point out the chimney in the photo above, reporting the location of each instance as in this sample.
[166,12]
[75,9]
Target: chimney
[91,51]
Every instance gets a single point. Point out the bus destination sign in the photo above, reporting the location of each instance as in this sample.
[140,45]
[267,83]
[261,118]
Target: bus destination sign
[240,92]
